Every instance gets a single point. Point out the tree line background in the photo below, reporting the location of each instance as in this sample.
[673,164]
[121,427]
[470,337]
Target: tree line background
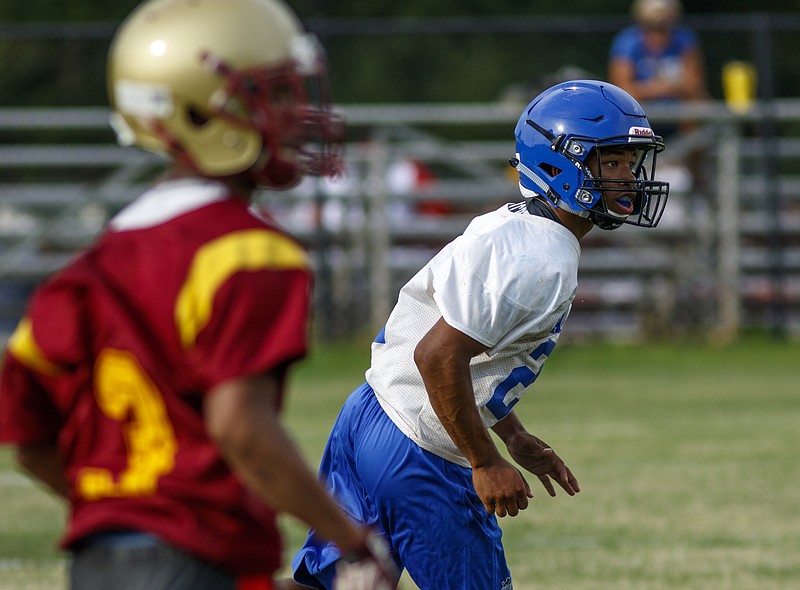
[53,53]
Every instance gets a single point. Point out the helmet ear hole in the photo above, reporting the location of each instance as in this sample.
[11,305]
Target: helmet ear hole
[196,118]
[550,170]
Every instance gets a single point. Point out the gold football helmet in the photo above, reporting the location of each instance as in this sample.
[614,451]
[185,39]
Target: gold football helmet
[226,87]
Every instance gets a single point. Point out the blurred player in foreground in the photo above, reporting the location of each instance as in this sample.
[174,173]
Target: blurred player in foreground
[145,381]
[410,452]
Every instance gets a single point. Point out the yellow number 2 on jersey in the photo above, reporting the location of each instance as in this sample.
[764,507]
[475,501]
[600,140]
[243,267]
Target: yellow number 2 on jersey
[125,393]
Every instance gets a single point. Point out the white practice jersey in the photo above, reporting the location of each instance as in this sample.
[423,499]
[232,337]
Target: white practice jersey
[508,282]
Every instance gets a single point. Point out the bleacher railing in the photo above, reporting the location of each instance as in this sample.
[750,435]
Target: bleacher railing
[726,257]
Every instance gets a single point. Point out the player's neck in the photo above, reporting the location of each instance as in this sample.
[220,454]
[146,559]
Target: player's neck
[240,186]
[579,226]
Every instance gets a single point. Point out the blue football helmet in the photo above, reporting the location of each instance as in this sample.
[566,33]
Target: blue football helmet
[560,128]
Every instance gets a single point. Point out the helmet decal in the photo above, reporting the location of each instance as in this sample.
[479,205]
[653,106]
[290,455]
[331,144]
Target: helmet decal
[143,99]
[641,132]
[307,54]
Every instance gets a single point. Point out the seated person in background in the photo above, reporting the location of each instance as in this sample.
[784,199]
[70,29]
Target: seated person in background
[657,58]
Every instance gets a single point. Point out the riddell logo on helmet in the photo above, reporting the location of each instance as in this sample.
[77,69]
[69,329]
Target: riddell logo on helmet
[641,131]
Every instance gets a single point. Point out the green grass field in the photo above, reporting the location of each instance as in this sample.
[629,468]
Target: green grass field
[687,456]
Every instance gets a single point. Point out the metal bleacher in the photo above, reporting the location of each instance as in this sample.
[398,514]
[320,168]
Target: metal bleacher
[725,258]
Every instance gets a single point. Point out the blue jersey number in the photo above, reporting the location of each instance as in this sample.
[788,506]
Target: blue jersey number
[523,376]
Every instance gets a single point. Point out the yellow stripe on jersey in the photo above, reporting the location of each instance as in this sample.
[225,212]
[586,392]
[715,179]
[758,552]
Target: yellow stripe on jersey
[216,261]
[23,346]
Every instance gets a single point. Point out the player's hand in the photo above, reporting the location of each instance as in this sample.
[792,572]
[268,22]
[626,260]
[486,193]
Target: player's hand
[540,459]
[501,488]
[370,567]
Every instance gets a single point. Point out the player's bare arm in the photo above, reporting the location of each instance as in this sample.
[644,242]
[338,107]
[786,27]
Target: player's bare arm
[241,416]
[535,455]
[43,462]
[443,356]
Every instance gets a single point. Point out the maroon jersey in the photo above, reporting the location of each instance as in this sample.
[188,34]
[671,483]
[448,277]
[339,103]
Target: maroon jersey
[188,287]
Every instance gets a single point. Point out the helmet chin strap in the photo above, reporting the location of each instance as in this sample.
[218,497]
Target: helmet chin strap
[607,219]
[545,190]
[604,222]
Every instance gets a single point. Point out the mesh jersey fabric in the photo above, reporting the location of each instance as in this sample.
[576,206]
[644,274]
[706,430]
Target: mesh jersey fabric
[508,282]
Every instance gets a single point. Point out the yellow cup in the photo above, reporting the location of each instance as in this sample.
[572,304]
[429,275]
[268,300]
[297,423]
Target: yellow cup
[739,86]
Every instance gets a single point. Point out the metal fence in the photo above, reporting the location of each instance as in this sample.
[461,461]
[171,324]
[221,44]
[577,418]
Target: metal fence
[726,257]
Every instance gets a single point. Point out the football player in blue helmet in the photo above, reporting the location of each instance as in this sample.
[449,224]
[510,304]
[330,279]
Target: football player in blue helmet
[565,138]
[469,335]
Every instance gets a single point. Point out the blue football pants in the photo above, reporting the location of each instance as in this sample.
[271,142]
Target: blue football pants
[426,506]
